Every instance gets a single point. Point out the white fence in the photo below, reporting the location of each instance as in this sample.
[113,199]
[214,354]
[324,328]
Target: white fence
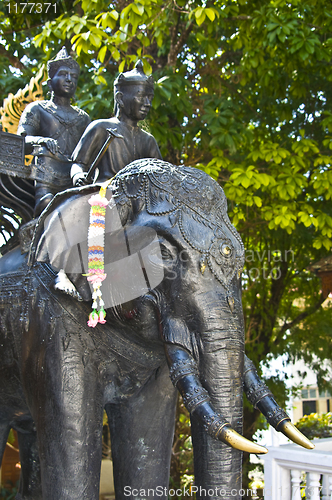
[290,470]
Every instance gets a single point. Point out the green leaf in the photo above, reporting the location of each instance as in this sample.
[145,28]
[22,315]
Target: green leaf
[100,79]
[200,20]
[199,12]
[245,181]
[115,54]
[147,67]
[114,14]
[95,39]
[121,66]
[211,13]
[102,53]
[138,8]
[258,201]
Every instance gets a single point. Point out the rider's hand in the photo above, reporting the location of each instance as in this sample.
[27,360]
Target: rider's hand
[79,179]
[51,145]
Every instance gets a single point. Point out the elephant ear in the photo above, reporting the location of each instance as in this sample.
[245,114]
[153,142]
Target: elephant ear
[132,259]
[60,238]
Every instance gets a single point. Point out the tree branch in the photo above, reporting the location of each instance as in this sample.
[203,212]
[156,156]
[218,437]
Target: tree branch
[28,28]
[14,61]
[177,44]
[303,315]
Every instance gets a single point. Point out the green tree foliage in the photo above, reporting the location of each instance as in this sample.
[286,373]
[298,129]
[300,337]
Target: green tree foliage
[243,91]
[8,494]
[316,426]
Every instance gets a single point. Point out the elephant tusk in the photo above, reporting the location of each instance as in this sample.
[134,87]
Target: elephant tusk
[290,431]
[235,440]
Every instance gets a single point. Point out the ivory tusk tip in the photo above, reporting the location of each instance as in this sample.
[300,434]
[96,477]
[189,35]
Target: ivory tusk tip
[234,439]
[290,431]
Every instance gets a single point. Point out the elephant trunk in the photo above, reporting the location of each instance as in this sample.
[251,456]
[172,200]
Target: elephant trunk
[184,375]
[214,400]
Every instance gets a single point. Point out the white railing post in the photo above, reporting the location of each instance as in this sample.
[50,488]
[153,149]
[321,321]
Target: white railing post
[326,491]
[283,466]
[313,485]
[325,487]
[285,477]
[296,482]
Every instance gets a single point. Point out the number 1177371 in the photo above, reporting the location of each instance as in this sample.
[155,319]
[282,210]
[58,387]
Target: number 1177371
[31,8]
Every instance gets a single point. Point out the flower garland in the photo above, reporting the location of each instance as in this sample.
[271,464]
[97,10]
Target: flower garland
[96,240]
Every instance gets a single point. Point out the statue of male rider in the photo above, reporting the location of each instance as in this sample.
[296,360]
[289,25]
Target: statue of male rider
[52,129]
[133,94]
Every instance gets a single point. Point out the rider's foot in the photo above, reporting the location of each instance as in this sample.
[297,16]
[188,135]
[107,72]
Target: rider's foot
[63,283]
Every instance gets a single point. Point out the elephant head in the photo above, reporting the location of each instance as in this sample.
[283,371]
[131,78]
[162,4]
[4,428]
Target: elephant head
[173,262]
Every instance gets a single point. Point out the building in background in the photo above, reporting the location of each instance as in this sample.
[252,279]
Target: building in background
[308,398]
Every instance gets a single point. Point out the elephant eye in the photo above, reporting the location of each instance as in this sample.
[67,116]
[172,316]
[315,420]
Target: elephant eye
[165,253]
[226,250]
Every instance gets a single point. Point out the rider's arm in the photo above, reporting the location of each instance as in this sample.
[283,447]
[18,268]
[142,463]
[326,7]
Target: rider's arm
[86,151]
[30,128]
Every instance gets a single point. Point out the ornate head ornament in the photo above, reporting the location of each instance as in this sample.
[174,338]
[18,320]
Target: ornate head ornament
[61,59]
[133,77]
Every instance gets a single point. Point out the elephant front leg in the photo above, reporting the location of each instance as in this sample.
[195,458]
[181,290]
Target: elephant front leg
[142,431]
[4,431]
[30,483]
[66,403]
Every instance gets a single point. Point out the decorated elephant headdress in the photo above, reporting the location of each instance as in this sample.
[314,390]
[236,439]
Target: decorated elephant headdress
[194,202]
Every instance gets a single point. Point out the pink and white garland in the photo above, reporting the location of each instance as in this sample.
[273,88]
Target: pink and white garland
[96,241]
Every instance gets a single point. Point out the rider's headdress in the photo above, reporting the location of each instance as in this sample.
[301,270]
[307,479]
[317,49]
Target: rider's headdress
[61,59]
[133,77]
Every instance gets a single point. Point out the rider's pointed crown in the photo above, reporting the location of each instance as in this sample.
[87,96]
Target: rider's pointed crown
[134,77]
[61,59]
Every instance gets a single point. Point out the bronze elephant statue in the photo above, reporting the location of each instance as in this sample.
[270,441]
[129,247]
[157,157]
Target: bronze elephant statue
[174,319]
